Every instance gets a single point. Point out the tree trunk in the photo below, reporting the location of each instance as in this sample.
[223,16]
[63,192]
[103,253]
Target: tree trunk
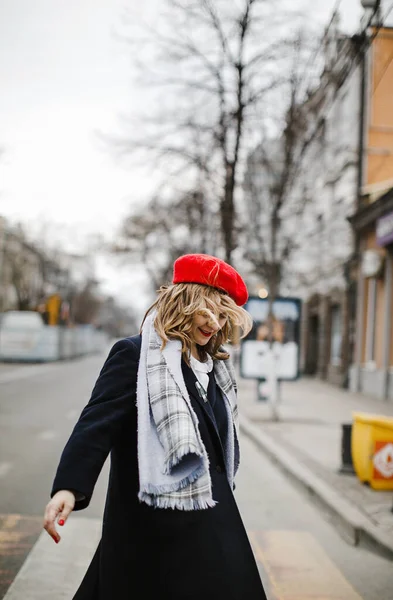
[228,212]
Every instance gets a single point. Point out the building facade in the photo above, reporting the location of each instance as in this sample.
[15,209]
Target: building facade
[341,261]
[37,278]
[371,371]
[315,215]
[318,268]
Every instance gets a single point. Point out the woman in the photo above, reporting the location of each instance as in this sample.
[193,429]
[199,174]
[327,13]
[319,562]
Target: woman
[164,407]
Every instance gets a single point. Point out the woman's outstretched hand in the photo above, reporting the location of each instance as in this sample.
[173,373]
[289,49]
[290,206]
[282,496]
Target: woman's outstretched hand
[58,508]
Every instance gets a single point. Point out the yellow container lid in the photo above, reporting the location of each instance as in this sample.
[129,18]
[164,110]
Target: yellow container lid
[373,419]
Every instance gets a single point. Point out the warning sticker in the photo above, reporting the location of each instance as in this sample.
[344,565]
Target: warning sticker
[383,460]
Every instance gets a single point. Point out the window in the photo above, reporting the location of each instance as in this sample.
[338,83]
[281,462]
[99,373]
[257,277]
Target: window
[370,327]
[336,335]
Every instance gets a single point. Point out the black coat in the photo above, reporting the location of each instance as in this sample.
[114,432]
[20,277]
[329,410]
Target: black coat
[165,553]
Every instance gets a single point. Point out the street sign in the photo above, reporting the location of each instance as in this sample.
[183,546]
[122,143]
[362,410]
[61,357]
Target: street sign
[254,350]
[383,460]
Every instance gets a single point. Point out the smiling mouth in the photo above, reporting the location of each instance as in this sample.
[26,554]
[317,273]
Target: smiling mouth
[206,333]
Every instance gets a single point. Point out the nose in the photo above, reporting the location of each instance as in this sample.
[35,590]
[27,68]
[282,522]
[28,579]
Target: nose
[211,320]
[213,325]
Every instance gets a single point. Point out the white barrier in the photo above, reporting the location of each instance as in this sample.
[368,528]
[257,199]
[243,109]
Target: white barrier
[25,338]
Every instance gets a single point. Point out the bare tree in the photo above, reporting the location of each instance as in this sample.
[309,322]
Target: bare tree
[277,186]
[19,267]
[272,172]
[158,233]
[269,182]
[281,164]
[85,304]
[213,65]
[22,274]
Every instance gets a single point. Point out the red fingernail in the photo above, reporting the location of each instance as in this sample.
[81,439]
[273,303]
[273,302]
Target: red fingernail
[61,522]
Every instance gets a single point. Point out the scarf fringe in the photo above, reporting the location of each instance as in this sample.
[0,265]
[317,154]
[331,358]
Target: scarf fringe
[167,488]
[176,503]
[160,496]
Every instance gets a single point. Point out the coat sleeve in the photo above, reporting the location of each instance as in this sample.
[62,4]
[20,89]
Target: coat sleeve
[109,409]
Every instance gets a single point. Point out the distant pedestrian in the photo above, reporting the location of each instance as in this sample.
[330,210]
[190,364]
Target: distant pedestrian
[165,407]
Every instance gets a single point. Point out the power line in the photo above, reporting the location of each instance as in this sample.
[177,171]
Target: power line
[365,41]
[365,44]
[315,55]
[363,34]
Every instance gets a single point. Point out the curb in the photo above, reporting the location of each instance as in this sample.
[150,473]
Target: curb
[51,571]
[352,524]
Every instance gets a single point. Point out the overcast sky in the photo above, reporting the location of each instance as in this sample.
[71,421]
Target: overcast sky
[63,76]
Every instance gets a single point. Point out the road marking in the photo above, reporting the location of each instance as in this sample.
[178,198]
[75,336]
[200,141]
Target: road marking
[296,565]
[11,521]
[299,568]
[5,467]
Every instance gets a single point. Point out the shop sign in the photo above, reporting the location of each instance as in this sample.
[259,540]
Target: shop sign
[383,460]
[286,339]
[371,263]
[384,230]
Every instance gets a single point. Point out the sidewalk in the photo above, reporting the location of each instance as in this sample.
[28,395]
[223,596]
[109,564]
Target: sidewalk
[10,372]
[306,444]
[49,575]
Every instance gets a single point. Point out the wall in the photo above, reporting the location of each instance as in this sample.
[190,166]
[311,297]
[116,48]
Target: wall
[380,117]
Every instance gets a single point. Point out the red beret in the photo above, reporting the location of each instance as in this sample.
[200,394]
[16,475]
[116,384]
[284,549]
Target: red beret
[212,271]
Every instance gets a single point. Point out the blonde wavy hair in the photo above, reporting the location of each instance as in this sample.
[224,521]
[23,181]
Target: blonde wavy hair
[176,307]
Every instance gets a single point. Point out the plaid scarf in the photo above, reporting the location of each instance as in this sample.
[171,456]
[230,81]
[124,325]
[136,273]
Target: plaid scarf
[172,460]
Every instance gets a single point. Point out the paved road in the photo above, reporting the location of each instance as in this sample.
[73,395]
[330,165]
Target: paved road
[299,553]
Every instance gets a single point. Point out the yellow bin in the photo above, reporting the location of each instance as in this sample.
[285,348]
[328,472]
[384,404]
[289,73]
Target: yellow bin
[372,449]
